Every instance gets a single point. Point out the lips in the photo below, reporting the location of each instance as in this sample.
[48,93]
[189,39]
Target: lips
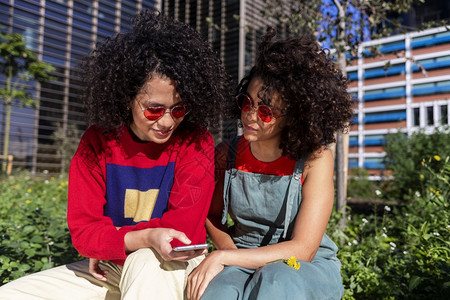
[248,128]
[163,133]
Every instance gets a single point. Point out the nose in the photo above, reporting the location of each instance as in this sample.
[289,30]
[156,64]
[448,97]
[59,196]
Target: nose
[252,114]
[166,121]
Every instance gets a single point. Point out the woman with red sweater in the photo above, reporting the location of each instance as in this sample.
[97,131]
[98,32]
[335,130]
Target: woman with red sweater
[142,178]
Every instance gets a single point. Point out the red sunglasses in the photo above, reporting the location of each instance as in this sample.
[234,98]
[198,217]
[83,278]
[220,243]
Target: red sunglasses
[154,113]
[265,112]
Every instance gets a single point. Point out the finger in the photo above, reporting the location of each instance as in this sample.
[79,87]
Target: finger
[202,290]
[192,279]
[181,237]
[202,286]
[99,276]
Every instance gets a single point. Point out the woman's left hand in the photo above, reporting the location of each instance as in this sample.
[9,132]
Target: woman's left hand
[96,271]
[200,278]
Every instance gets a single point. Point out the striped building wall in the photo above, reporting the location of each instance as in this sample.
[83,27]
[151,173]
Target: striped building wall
[406,87]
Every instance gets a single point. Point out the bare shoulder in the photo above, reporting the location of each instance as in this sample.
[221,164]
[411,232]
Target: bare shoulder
[321,160]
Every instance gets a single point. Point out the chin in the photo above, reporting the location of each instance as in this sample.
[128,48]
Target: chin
[159,140]
[251,137]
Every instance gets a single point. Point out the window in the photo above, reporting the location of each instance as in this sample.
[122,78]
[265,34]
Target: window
[374,163]
[432,63]
[416,116]
[382,94]
[353,141]
[443,109]
[431,40]
[352,162]
[392,116]
[431,88]
[374,140]
[430,115]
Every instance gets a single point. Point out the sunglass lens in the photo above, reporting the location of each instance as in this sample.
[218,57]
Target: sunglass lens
[178,111]
[265,113]
[244,102]
[154,113]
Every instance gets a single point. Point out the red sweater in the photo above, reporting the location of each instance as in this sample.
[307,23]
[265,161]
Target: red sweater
[117,185]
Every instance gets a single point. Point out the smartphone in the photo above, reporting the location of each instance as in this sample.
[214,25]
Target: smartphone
[191,247]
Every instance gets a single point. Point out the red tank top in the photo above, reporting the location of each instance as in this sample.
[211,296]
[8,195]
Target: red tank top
[245,161]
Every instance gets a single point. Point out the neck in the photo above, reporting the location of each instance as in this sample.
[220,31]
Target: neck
[266,151]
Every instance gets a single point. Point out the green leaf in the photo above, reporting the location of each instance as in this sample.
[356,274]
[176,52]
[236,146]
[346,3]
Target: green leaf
[414,282]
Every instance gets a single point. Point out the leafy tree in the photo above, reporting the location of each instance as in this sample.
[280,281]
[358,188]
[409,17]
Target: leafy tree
[344,25]
[405,157]
[19,65]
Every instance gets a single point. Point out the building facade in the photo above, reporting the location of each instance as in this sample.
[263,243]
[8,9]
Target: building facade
[405,87]
[61,32]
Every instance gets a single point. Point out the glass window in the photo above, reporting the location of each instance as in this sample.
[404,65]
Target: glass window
[430,115]
[56,6]
[81,24]
[83,8]
[53,60]
[27,5]
[81,40]
[54,42]
[77,15]
[56,15]
[59,27]
[80,33]
[106,25]
[353,162]
[444,114]
[80,49]
[102,7]
[104,32]
[416,116]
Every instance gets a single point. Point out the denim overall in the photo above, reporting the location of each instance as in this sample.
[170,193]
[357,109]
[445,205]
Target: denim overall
[264,209]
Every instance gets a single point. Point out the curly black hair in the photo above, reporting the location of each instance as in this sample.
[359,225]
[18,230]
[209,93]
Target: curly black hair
[117,69]
[308,81]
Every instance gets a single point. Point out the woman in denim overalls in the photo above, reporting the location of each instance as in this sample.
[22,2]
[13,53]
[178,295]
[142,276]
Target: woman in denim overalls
[275,182]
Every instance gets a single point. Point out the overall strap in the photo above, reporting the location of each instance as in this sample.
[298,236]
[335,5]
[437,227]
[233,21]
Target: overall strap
[294,188]
[231,157]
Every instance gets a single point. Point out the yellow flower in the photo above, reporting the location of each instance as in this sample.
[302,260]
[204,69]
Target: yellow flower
[28,201]
[29,191]
[292,262]
[52,178]
[432,190]
[437,157]
[421,176]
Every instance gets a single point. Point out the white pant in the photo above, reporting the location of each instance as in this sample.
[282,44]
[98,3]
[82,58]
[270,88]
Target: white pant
[145,275]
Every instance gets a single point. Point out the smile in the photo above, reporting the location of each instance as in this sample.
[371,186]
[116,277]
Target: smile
[163,132]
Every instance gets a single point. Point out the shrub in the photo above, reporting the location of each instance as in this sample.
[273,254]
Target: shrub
[34,234]
[404,252]
[404,156]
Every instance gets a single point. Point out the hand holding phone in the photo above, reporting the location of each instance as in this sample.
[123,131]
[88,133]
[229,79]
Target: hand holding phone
[191,247]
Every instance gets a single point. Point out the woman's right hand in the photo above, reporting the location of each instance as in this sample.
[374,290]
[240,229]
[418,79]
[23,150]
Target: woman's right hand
[159,239]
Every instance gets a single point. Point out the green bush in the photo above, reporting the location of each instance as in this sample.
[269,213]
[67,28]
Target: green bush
[404,253]
[359,185]
[404,155]
[33,232]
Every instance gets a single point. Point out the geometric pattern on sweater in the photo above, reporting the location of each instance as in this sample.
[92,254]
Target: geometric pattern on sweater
[137,194]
